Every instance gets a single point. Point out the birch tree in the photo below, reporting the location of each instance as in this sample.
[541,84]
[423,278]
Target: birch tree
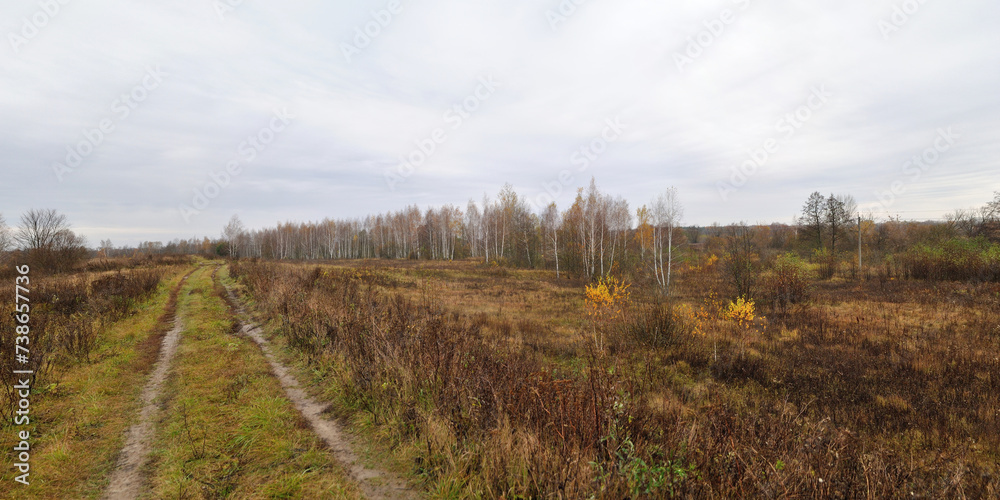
[233,234]
[551,220]
[473,228]
[6,240]
[666,214]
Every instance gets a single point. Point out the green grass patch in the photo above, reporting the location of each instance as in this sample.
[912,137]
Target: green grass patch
[79,416]
[228,431]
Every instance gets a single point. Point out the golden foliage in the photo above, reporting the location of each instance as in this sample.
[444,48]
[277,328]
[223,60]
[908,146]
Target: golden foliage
[742,311]
[606,300]
[708,265]
[685,314]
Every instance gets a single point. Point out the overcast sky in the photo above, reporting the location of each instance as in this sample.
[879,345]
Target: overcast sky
[655,93]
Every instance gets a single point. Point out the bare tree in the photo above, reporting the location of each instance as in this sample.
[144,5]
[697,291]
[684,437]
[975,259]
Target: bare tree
[666,214]
[672,217]
[234,234]
[839,213]
[742,262]
[643,230]
[593,227]
[473,228]
[6,240]
[67,240]
[619,223]
[574,236]
[551,220]
[449,230]
[46,237]
[40,229]
[592,218]
[991,218]
[106,248]
[992,209]
[962,221]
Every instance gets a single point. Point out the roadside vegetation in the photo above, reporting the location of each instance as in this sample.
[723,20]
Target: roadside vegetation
[95,338]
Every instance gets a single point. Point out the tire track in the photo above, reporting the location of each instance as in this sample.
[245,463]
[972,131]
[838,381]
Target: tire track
[127,477]
[375,484]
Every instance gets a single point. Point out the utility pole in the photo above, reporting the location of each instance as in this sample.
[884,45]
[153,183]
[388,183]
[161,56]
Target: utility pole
[860,274]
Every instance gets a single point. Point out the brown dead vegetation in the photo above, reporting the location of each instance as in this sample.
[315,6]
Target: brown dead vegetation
[871,389]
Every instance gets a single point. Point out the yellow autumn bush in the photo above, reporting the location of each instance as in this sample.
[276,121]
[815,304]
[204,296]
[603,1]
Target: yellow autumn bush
[606,301]
[742,311]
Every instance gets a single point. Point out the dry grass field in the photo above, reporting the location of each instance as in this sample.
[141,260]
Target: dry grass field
[489,379]
[471,380]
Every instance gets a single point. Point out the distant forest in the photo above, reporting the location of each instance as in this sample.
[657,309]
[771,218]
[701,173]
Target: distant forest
[598,234]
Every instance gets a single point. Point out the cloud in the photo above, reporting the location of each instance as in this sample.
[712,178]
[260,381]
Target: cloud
[354,118]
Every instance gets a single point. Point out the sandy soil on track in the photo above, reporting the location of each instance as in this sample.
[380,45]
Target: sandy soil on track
[127,477]
[375,484]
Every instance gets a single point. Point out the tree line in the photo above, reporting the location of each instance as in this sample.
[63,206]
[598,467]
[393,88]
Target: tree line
[595,235]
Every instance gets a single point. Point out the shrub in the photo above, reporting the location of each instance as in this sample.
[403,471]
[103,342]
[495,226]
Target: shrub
[67,317]
[659,325]
[955,260]
[827,261]
[742,311]
[786,283]
[741,264]
[704,265]
[115,296]
[606,301]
